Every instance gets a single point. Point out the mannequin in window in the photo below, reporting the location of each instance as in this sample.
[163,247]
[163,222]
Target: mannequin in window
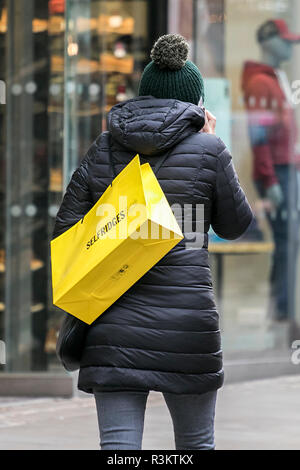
[276,169]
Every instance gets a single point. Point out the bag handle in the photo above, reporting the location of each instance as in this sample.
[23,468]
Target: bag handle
[157,166]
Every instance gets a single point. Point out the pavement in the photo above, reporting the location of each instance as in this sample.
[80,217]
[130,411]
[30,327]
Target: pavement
[256,415]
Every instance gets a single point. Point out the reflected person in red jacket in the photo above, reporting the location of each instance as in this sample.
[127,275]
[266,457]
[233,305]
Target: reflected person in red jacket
[276,169]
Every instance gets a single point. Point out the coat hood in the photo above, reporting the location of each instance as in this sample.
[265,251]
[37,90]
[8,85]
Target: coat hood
[150,126]
[253,69]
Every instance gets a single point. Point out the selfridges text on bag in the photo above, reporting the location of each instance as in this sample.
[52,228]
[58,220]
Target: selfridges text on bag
[126,232]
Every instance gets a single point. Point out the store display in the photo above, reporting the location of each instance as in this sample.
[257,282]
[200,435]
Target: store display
[115,23]
[110,63]
[39,95]
[56,6]
[110,40]
[121,94]
[51,339]
[55,180]
[120,50]
[35,263]
[39,26]
[86,25]
[56,24]
[56,97]
[3,21]
[81,59]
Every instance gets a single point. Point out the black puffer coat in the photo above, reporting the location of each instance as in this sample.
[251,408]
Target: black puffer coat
[163,333]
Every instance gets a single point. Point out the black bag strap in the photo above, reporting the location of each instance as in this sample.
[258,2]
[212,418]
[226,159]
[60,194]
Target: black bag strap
[161,161]
[155,169]
[111,159]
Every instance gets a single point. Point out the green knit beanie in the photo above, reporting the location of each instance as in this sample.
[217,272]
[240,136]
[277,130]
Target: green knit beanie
[170,74]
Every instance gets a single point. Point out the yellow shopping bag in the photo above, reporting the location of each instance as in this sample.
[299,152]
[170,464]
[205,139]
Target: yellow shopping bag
[126,232]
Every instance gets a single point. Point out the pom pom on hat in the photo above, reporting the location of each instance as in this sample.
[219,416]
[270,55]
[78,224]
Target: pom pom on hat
[170,74]
[170,52]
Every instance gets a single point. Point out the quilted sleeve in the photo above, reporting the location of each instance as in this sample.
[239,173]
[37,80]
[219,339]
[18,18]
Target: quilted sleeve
[231,212]
[77,200]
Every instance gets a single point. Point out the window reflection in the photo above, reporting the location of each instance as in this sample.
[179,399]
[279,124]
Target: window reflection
[64,65]
[249,81]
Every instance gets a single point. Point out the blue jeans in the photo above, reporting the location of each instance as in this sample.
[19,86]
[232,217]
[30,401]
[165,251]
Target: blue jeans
[121,419]
[285,224]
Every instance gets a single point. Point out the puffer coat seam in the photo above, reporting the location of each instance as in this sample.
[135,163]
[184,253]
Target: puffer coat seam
[210,353]
[155,370]
[134,304]
[199,167]
[167,115]
[205,332]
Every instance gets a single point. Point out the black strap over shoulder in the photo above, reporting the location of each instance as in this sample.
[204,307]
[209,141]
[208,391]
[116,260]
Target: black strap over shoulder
[111,159]
[161,161]
[157,166]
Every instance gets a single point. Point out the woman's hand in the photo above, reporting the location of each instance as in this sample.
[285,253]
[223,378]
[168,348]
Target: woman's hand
[210,123]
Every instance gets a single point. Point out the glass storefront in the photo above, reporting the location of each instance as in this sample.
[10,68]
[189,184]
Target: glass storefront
[63,65]
[107,49]
[256,278]
[31,38]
